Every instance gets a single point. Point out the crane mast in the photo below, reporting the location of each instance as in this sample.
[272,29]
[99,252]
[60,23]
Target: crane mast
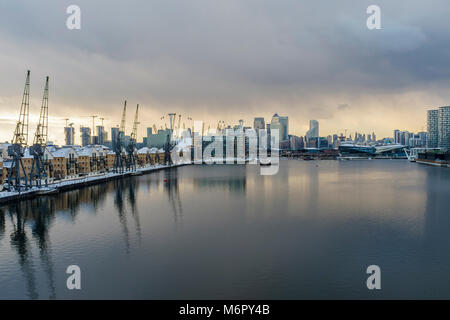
[41,135]
[21,132]
[20,140]
[37,150]
[135,125]
[122,123]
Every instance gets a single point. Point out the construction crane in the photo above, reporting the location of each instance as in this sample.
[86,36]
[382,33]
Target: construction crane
[38,171]
[19,142]
[103,119]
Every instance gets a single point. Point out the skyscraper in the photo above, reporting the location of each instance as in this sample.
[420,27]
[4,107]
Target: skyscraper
[432,128]
[114,135]
[444,128]
[276,125]
[101,135]
[69,133]
[285,127]
[259,123]
[282,124]
[85,136]
[313,131]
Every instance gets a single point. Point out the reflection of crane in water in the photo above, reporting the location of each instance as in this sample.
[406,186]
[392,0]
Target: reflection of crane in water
[132,189]
[2,223]
[19,242]
[118,201]
[173,193]
[42,220]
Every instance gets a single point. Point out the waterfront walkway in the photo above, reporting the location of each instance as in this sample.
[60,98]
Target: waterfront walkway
[78,182]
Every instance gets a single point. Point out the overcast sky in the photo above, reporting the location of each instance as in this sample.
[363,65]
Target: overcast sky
[228,60]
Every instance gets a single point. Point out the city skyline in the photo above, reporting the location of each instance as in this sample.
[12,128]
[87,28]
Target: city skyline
[194,60]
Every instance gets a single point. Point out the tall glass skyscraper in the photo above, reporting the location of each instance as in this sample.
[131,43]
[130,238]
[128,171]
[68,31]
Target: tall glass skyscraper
[432,129]
[313,131]
[444,128]
[285,126]
[258,123]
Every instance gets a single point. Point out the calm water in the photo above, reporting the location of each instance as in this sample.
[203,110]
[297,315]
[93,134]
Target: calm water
[226,232]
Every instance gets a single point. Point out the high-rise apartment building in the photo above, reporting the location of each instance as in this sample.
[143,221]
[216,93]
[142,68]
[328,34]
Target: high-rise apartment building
[444,128]
[432,128]
[69,134]
[85,136]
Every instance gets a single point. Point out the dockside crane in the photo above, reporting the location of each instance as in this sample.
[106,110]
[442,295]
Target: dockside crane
[131,148]
[117,144]
[38,171]
[16,151]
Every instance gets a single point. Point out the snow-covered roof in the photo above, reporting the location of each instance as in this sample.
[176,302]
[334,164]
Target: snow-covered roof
[143,150]
[8,164]
[64,152]
[26,154]
[87,151]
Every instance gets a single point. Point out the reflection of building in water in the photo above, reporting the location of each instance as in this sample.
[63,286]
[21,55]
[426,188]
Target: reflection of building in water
[232,184]
[437,218]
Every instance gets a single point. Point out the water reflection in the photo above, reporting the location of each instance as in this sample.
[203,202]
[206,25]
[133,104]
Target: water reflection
[221,179]
[36,217]
[20,244]
[133,187]
[303,233]
[119,203]
[173,194]
[437,217]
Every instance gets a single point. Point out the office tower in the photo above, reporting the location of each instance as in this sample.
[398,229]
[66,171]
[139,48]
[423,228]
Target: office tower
[282,124]
[432,128]
[276,125]
[85,136]
[284,121]
[69,133]
[149,132]
[444,128]
[259,123]
[313,131]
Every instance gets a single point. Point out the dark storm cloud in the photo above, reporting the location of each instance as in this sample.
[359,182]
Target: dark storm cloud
[227,56]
